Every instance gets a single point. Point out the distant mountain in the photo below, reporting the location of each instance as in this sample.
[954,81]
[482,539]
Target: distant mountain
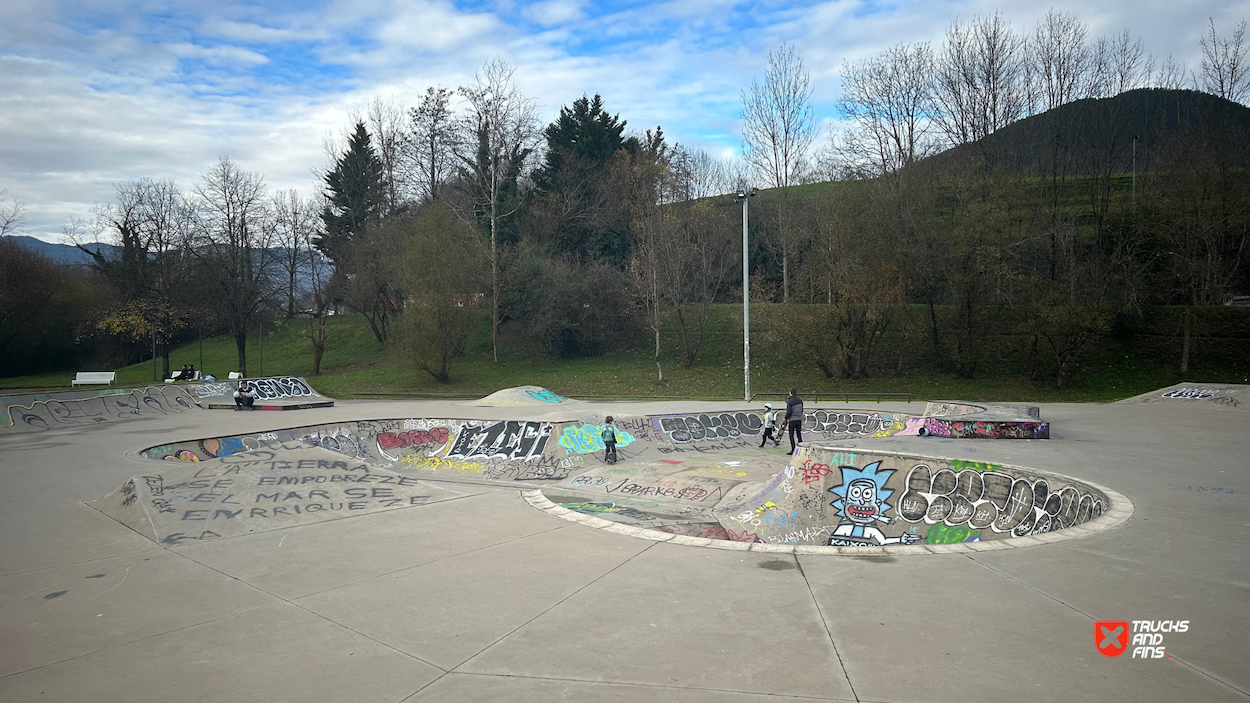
[63,253]
[1087,136]
[73,256]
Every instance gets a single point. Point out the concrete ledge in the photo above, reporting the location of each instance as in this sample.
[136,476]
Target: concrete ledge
[730,545]
[691,541]
[772,548]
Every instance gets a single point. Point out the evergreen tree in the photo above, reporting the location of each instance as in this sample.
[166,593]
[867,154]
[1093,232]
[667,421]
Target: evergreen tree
[584,136]
[356,195]
[580,203]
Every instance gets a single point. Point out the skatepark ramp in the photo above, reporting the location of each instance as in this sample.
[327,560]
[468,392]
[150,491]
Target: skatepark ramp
[78,409]
[86,408]
[851,497]
[1233,396]
[524,396]
[239,494]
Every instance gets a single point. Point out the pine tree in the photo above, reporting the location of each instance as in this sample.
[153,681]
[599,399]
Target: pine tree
[584,135]
[356,196]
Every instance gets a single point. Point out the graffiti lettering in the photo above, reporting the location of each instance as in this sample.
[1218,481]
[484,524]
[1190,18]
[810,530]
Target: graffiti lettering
[814,472]
[941,534]
[288,387]
[140,402]
[508,439]
[696,428]
[840,424]
[982,498]
[609,508]
[546,396]
[413,438]
[1191,393]
[586,439]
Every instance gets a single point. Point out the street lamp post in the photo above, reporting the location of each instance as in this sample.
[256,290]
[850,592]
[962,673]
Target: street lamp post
[744,196]
[261,340]
[152,312]
[1134,138]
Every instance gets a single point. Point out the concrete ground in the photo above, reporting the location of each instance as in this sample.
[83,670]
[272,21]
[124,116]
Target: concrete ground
[484,598]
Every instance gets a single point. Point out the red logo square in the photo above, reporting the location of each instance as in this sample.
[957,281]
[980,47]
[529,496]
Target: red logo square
[1111,637]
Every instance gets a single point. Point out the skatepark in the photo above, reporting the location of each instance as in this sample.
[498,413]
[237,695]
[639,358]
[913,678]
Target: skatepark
[161,547]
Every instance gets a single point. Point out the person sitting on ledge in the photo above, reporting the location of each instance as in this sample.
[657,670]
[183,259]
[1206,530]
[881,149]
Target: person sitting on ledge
[244,397]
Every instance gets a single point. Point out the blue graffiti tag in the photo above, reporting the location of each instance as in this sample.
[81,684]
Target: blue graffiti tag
[585,439]
[546,396]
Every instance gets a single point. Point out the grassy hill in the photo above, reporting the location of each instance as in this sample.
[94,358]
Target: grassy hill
[1089,132]
[1142,356]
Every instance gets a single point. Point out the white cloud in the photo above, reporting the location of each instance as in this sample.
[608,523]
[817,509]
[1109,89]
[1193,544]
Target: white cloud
[218,55]
[251,32]
[95,91]
[554,12]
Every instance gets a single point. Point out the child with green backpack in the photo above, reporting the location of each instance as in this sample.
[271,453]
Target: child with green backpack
[609,440]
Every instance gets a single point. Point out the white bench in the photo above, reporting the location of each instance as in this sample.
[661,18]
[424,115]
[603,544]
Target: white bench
[196,377]
[84,378]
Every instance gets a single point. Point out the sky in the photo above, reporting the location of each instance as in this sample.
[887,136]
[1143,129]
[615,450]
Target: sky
[98,92]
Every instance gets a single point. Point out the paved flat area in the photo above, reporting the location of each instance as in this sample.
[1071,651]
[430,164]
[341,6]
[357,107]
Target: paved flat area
[483,598]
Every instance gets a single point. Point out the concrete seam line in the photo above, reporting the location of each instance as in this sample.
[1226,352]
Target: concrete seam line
[825,623]
[584,586]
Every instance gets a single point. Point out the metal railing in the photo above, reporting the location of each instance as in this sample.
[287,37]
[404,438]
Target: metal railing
[815,397]
[844,396]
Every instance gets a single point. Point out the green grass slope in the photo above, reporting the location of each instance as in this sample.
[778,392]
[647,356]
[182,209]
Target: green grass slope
[1131,362]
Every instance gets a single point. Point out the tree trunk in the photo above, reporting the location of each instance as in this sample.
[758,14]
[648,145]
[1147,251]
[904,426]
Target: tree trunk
[685,340]
[933,330]
[655,298]
[317,336]
[785,274]
[494,279]
[240,343]
[1185,317]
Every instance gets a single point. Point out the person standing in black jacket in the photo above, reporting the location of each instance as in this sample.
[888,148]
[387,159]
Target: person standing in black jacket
[794,418]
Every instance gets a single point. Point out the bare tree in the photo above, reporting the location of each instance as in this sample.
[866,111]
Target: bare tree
[696,250]
[1061,59]
[169,223]
[500,134]
[735,173]
[980,79]
[295,221]
[12,214]
[386,128]
[777,132]
[1125,69]
[234,245]
[1169,75]
[430,142]
[319,276]
[647,268]
[888,99]
[149,225]
[1224,69]
[694,175]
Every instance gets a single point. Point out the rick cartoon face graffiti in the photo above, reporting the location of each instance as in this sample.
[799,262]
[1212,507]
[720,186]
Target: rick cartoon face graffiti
[862,504]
